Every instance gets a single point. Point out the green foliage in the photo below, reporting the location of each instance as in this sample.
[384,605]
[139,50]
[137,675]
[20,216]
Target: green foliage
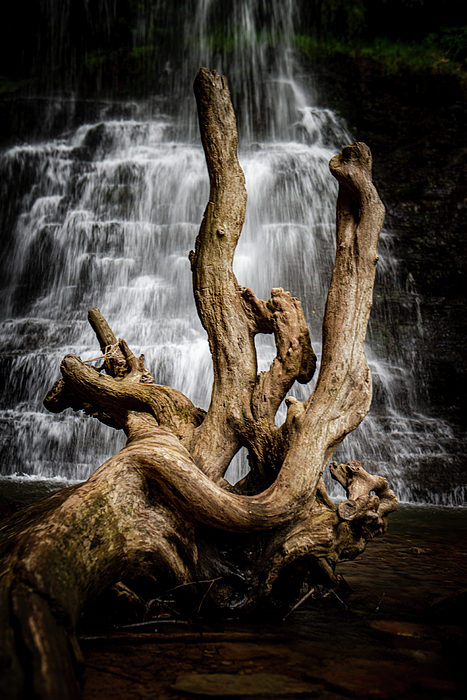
[394,57]
[452,41]
[319,498]
[64,45]
[397,57]
[10,84]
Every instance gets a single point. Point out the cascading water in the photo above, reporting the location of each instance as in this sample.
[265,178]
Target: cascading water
[106,215]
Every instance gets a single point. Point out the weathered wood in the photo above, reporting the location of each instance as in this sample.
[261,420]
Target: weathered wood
[243,403]
[159,512]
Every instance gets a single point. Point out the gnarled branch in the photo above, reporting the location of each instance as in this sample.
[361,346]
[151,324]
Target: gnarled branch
[358,485]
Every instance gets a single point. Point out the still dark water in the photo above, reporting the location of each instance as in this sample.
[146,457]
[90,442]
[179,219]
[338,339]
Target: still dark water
[397,629]
[411,520]
[419,520]
[28,488]
[423,520]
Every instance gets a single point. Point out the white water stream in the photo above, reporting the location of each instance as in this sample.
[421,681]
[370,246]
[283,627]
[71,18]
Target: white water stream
[107,217]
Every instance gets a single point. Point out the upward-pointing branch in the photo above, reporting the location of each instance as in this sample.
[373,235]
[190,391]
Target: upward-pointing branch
[243,405]
[343,392]
[216,290]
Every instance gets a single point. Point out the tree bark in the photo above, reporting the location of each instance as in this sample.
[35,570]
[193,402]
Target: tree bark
[159,513]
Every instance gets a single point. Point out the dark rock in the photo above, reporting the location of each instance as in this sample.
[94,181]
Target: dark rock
[415,125]
[223,685]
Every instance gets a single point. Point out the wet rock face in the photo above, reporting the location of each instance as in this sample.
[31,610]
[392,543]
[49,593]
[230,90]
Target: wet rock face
[32,118]
[415,126]
[429,219]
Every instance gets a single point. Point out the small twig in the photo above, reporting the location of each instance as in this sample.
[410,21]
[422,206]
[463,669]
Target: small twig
[159,600]
[153,622]
[193,583]
[207,591]
[104,669]
[109,351]
[380,601]
[302,600]
[165,605]
[180,637]
[339,599]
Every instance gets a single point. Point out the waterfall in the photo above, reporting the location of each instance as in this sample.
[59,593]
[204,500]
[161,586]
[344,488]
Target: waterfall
[105,215]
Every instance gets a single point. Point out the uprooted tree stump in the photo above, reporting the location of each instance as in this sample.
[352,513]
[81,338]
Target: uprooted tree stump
[160,513]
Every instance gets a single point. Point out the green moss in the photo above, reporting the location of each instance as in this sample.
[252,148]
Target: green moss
[11,84]
[98,504]
[394,57]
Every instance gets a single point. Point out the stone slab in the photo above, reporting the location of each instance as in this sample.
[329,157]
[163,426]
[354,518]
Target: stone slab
[233,685]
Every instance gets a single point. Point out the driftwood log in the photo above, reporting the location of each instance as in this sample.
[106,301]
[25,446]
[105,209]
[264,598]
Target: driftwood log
[159,513]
